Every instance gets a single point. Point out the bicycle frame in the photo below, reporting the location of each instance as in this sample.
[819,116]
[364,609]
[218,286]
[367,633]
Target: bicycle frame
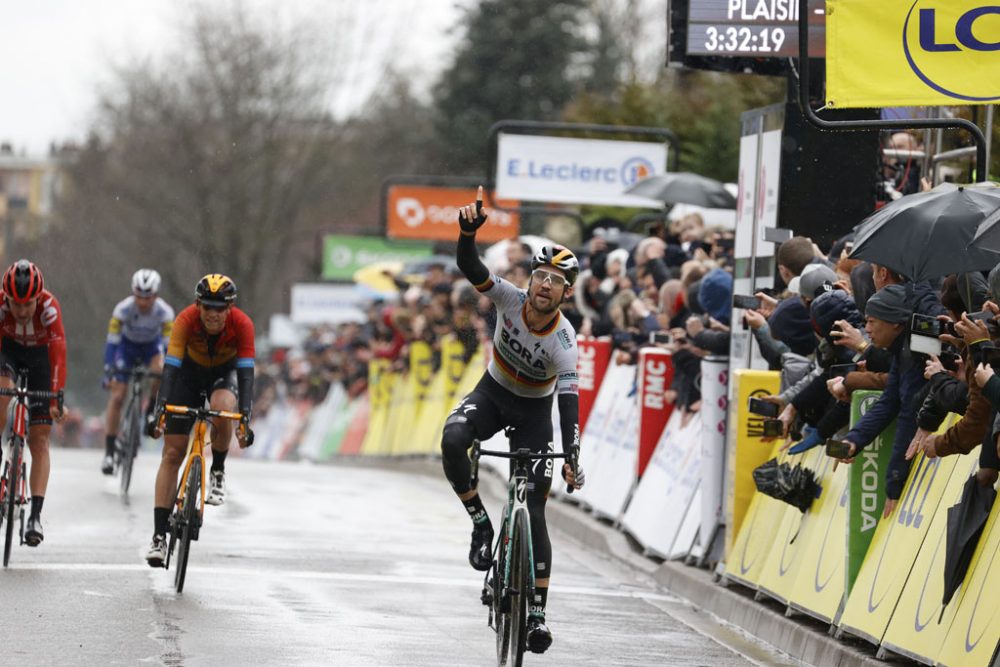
[517,502]
[196,444]
[195,450]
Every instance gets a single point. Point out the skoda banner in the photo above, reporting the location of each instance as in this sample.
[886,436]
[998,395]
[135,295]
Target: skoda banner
[867,486]
[343,255]
[576,171]
[913,53]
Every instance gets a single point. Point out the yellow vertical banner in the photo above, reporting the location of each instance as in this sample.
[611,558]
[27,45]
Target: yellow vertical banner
[418,383]
[749,450]
[756,539]
[972,638]
[894,549]
[377,393]
[819,587]
[918,628]
[781,569]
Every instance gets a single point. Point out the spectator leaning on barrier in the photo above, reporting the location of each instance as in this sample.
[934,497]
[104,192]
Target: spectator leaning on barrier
[980,423]
[888,316]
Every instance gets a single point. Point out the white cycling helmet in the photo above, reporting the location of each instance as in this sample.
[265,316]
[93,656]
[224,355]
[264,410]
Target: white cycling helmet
[559,257]
[145,282]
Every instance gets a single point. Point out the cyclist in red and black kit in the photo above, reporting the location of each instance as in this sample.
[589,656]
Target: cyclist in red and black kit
[32,339]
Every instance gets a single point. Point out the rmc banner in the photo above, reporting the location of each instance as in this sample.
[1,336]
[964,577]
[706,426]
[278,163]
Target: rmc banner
[576,171]
[912,53]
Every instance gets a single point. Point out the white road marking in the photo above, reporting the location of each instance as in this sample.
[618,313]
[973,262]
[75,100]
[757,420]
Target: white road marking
[334,576]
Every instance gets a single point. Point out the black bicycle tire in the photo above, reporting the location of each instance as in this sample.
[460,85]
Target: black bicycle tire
[520,576]
[12,480]
[130,442]
[188,516]
[500,593]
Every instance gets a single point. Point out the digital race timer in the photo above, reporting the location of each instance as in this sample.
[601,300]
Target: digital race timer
[754,28]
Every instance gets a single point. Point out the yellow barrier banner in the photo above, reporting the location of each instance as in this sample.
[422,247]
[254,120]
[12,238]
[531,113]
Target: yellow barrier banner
[413,397]
[756,538]
[819,588]
[781,569]
[750,449]
[894,549]
[912,53]
[379,391]
[915,629]
[972,638]
[452,364]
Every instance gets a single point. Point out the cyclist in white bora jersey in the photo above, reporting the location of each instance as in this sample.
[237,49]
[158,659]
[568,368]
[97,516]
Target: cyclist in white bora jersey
[534,357]
[137,334]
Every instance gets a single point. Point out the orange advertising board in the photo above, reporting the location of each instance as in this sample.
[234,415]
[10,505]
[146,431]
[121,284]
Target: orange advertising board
[430,212]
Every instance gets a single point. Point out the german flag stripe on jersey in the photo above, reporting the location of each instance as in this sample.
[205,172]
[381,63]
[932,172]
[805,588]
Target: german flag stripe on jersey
[512,373]
[485,285]
[544,331]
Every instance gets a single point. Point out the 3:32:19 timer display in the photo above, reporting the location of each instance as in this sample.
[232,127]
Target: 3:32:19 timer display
[732,39]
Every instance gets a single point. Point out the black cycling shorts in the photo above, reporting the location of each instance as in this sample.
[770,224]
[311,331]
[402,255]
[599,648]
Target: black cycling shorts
[526,421]
[189,384]
[35,361]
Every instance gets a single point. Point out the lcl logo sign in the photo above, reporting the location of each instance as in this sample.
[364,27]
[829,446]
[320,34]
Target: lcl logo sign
[944,39]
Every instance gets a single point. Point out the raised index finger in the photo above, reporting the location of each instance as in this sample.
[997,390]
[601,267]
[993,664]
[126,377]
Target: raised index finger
[479,200]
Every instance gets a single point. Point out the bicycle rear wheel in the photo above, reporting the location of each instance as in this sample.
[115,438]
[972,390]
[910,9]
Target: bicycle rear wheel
[13,471]
[188,517]
[520,580]
[130,444]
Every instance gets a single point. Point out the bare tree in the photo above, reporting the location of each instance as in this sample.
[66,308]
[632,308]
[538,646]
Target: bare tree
[215,158]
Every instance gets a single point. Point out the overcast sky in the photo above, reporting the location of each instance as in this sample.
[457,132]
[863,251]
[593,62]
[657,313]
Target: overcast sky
[55,53]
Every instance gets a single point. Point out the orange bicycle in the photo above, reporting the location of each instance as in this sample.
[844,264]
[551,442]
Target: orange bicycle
[189,504]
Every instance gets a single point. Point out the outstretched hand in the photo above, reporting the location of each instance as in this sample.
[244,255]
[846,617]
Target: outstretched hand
[471,216]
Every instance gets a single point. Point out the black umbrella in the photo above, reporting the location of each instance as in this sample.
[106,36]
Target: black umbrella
[988,234]
[684,188]
[927,235]
[966,520]
[796,486]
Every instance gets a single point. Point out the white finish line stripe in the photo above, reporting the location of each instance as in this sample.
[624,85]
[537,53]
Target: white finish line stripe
[325,576]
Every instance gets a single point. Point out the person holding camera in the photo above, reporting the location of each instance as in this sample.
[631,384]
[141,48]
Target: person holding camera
[888,313]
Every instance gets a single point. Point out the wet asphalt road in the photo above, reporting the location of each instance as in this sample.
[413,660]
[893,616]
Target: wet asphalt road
[314,565]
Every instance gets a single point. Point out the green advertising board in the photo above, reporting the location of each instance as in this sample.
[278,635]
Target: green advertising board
[344,255]
[866,492]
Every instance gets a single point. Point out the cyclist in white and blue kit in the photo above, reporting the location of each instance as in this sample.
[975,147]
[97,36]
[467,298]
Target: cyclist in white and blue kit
[534,359]
[137,335]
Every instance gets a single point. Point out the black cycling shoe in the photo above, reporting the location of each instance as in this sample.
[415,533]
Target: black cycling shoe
[539,637]
[33,531]
[108,464]
[481,549]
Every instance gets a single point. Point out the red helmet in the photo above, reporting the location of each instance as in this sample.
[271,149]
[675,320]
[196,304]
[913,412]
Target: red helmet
[22,282]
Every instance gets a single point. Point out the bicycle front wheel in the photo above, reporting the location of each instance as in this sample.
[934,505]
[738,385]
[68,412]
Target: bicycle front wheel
[520,578]
[10,500]
[501,598]
[188,517]
[130,443]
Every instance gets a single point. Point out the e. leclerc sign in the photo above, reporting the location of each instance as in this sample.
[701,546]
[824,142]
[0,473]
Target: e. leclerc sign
[576,171]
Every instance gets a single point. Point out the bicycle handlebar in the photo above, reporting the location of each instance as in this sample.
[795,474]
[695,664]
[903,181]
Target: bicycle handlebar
[17,392]
[525,455]
[202,413]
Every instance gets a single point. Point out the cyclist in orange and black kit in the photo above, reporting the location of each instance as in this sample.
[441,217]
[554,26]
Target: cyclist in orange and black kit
[211,351]
[32,338]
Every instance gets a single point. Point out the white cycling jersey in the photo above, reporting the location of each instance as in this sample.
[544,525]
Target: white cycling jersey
[127,322]
[528,363]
